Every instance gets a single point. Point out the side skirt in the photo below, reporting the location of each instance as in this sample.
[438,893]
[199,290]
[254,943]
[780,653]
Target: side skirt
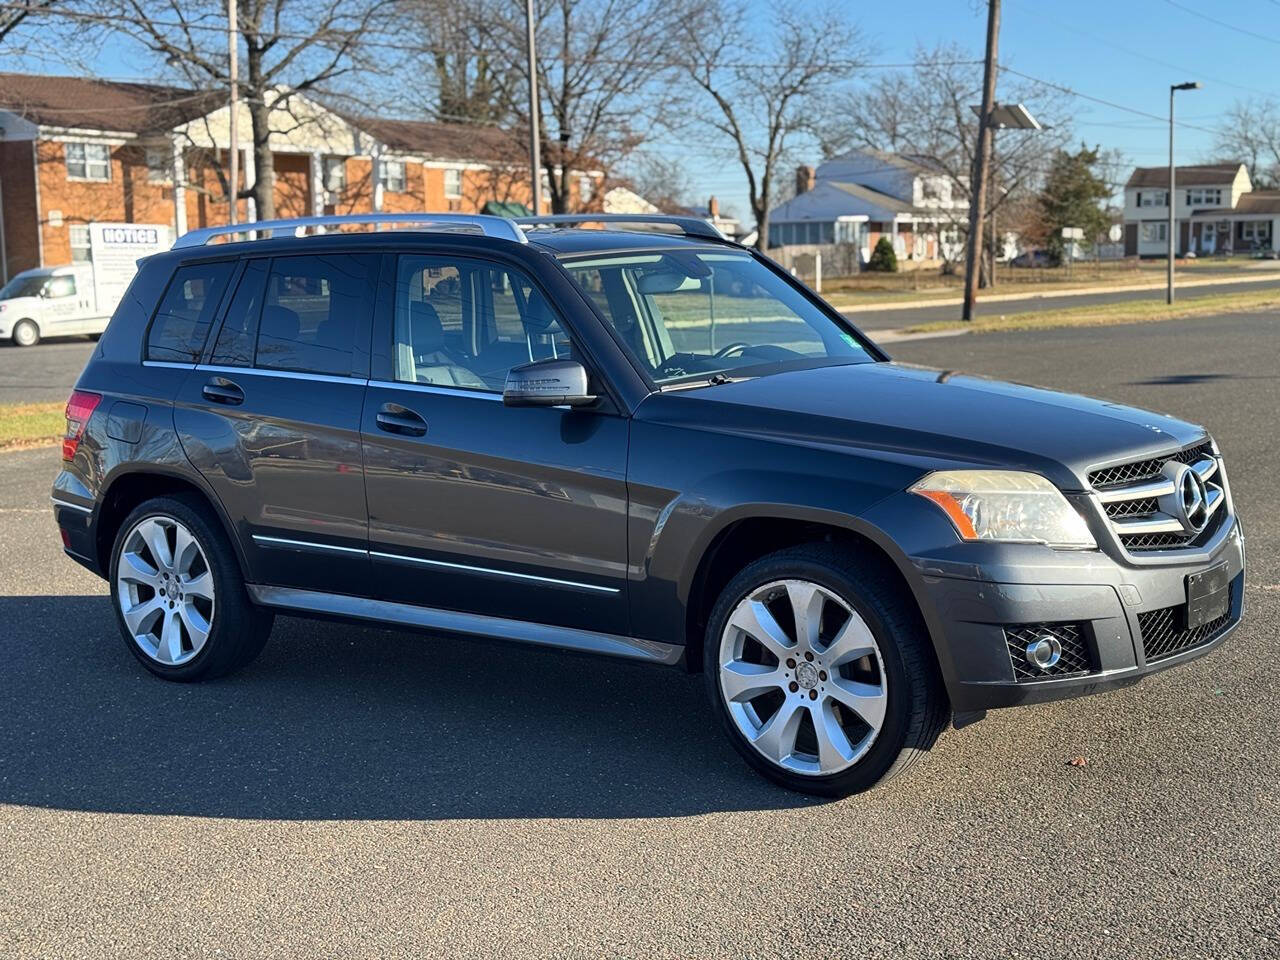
[473,624]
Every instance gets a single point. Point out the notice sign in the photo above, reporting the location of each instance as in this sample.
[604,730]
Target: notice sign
[115,249]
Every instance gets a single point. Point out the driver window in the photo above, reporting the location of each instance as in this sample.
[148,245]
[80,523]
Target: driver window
[60,287]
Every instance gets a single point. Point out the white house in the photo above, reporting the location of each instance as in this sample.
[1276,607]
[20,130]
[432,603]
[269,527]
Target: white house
[854,199]
[1216,210]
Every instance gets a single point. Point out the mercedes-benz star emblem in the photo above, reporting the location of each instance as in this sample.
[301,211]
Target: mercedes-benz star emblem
[1193,499]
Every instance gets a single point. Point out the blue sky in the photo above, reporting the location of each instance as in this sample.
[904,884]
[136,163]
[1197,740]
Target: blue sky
[1097,48]
[1103,49]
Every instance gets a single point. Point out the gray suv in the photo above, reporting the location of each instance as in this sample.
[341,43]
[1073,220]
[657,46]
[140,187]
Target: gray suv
[643,441]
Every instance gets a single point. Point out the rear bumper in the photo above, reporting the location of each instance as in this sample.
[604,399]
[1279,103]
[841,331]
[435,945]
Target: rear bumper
[1125,623]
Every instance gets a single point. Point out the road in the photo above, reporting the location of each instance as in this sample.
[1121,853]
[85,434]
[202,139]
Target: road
[358,792]
[905,317]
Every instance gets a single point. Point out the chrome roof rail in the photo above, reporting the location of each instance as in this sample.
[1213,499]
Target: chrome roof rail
[689,226]
[499,227]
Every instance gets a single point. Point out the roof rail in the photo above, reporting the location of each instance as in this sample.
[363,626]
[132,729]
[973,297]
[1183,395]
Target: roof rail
[689,226]
[499,227]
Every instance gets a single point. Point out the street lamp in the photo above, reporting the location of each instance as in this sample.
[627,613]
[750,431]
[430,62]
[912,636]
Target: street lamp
[1174,88]
[1004,116]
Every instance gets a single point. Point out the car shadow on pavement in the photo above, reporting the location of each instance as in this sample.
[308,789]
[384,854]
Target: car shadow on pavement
[342,722]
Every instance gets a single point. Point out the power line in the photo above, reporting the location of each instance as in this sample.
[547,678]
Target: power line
[1222,23]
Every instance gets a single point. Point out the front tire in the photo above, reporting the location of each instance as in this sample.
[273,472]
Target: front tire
[178,593]
[26,333]
[819,666]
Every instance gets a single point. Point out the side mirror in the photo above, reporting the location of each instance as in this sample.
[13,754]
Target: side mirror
[547,383]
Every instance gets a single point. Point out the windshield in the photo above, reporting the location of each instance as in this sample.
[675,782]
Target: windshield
[23,286]
[689,314]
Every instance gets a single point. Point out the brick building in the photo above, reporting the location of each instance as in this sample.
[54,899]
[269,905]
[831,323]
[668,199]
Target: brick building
[75,150]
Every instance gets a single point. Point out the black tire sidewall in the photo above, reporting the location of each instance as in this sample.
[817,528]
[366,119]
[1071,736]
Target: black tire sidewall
[889,743]
[227,584]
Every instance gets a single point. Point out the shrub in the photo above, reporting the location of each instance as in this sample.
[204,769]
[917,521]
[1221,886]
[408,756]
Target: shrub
[883,258]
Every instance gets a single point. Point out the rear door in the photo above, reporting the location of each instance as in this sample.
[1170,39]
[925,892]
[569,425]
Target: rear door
[517,513]
[272,417]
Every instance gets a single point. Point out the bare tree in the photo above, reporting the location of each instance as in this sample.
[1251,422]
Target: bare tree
[291,47]
[465,66]
[16,14]
[927,114]
[1250,134]
[765,88]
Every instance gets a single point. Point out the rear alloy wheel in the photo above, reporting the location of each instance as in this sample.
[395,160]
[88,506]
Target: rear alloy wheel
[26,333]
[165,590]
[179,595]
[820,667]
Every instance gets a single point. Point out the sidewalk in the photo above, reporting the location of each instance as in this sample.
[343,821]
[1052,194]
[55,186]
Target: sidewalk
[1262,276]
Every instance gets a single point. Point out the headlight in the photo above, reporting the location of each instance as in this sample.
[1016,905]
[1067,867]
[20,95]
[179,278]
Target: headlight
[1005,505]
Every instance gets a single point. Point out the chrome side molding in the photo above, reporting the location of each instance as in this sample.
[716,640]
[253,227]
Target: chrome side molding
[471,624]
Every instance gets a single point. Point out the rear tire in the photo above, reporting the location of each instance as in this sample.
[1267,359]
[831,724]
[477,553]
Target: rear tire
[179,595]
[26,333]
[831,698]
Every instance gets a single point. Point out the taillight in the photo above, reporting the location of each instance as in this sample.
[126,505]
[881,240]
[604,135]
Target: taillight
[79,408]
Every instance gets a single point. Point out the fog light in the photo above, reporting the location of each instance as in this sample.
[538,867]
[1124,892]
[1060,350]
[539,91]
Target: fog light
[1044,652]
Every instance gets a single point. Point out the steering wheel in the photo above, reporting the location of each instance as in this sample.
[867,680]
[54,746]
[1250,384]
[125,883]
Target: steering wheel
[725,351]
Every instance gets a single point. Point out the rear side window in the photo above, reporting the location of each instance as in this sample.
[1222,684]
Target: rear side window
[311,310]
[181,324]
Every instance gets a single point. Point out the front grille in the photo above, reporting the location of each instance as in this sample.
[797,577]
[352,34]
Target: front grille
[1146,469]
[1076,656]
[1140,500]
[1164,634]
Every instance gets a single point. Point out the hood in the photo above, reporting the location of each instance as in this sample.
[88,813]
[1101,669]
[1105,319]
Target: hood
[933,415]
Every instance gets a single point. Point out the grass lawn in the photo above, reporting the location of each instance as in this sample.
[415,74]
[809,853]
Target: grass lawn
[1110,314]
[27,424]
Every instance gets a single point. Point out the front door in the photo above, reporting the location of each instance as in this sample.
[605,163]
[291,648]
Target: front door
[518,513]
[271,418]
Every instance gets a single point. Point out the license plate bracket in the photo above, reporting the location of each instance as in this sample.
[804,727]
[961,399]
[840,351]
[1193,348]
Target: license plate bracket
[1208,595]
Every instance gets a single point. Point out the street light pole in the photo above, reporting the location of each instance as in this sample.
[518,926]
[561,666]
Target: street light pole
[982,157]
[233,49]
[1174,88]
[535,151]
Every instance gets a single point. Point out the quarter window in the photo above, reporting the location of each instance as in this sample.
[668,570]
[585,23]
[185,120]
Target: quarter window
[182,322]
[311,311]
[89,161]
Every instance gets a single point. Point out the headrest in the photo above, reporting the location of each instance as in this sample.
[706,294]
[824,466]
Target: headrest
[426,333]
[280,322]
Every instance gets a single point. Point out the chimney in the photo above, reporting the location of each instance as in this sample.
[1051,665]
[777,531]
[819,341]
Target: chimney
[713,208]
[805,177]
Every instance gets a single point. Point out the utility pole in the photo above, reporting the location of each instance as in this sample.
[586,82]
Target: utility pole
[535,148]
[981,161]
[1172,202]
[233,51]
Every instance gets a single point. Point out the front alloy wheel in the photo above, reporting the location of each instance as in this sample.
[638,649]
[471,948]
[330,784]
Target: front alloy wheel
[165,590]
[809,696]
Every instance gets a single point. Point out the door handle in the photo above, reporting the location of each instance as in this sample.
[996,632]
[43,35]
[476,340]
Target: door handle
[394,418]
[222,390]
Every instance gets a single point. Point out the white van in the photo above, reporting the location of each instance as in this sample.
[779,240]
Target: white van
[79,298]
[51,302]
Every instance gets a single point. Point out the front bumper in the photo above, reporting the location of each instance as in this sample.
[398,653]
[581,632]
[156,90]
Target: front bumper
[1126,621]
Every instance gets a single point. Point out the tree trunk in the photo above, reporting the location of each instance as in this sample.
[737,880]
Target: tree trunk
[264,179]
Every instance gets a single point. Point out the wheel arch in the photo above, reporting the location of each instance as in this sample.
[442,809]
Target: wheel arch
[747,534]
[127,489]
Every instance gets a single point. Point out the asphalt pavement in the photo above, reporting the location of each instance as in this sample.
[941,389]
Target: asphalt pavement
[359,792]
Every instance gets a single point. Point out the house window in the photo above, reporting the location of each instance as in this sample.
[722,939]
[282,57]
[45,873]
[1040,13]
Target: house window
[89,161]
[335,174]
[80,253]
[1153,198]
[393,176]
[586,189]
[1202,196]
[1255,231]
[159,164]
[1155,232]
[453,183]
